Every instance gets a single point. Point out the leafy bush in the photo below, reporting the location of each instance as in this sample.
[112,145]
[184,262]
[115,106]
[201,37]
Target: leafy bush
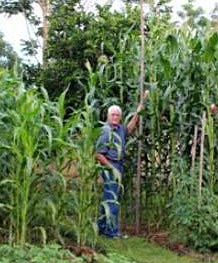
[47,254]
[53,254]
[194,223]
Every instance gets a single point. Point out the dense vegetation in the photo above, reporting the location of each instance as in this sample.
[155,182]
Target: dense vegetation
[49,186]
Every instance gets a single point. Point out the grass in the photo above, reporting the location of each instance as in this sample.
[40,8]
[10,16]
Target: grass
[138,250]
[131,250]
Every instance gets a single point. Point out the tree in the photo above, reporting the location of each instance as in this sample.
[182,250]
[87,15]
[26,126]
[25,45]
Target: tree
[192,17]
[104,38]
[214,17]
[26,7]
[8,56]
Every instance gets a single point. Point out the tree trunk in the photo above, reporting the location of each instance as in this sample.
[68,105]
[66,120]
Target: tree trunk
[45,7]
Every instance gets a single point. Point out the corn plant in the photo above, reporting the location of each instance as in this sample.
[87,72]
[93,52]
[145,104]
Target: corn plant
[71,207]
[45,200]
[24,120]
[86,194]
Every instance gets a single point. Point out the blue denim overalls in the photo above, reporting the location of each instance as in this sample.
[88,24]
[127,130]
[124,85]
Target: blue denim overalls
[112,145]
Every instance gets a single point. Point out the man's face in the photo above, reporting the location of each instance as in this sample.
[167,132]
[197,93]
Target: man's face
[114,117]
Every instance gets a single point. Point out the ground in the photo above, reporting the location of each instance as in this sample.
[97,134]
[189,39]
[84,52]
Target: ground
[142,250]
[153,248]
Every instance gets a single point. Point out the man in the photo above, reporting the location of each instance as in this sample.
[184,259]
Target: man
[111,153]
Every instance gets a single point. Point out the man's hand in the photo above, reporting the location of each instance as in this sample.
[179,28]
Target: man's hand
[145,94]
[134,120]
[141,105]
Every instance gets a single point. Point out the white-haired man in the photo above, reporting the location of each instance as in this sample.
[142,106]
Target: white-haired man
[111,153]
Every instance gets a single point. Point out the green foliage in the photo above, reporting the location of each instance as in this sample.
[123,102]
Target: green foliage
[40,200]
[47,254]
[8,57]
[194,225]
[132,250]
[86,198]
[15,7]
[138,249]
[85,37]
[25,8]
[181,73]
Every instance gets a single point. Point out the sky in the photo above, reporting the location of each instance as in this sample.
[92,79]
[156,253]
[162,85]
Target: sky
[15,28]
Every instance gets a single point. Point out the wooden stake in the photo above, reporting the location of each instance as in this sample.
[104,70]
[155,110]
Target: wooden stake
[142,77]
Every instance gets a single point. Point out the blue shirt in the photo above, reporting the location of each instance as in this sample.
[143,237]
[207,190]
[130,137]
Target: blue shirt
[112,141]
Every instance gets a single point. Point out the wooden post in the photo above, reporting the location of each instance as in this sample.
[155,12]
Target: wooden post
[142,77]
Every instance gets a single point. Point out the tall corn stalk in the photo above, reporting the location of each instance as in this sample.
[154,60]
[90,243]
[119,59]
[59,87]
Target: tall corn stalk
[86,197]
[40,145]
[209,95]
[25,120]
[201,168]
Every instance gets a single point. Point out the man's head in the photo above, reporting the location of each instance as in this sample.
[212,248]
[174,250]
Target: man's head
[114,115]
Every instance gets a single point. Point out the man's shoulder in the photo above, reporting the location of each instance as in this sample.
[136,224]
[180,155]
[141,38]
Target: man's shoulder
[106,127]
[122,126]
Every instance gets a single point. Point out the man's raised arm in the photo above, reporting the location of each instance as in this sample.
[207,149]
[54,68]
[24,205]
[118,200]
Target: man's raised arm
[131,126]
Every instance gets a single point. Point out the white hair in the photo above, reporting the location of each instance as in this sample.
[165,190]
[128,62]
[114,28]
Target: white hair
[115,108]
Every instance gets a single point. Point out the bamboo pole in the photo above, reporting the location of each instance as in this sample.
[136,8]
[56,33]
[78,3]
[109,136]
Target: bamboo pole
[142,77]
[201,158]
